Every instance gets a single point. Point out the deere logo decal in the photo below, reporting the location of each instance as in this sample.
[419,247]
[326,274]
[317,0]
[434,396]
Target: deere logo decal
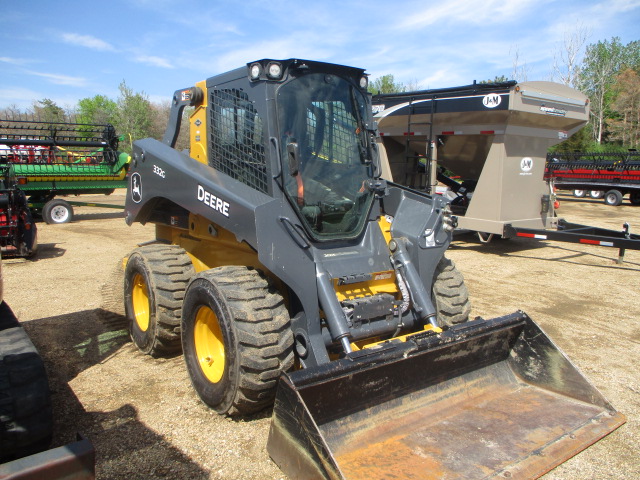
[491,100]
[216,203]
[136,187]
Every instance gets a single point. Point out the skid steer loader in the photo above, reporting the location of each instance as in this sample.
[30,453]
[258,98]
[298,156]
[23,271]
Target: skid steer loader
[290,274]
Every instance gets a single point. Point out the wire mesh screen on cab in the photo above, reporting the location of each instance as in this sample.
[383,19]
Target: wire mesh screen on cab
[236,139]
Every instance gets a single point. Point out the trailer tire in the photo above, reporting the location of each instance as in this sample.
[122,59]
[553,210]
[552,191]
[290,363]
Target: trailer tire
[26,421]
[579,193]
[613,198]
[236,339]
[596,194]
[634,198]
[57,211]
[449,294]
[155,280]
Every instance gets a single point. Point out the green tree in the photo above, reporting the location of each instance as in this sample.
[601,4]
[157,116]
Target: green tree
[133,118]
[48,111]
[631,56]
[99,110]
[497,79]
[580,141]
[386,84]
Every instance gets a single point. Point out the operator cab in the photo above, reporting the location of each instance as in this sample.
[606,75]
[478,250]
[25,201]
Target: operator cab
[327,159]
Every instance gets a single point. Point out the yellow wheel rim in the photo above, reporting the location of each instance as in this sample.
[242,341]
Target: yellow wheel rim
[140,301]
[209,343]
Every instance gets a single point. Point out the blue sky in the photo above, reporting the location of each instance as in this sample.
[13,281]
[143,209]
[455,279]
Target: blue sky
[69,50]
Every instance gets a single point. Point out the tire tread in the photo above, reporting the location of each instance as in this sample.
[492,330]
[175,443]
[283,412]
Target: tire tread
[265,339]
[450,293]
[171,269]
[26,421]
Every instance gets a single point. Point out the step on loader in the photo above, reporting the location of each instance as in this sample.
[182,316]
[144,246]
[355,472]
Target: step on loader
[291,275]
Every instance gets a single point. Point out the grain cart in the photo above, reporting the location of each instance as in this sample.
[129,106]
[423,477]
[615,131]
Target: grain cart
[485,145]
[493,137]
[54,159]
[288,271]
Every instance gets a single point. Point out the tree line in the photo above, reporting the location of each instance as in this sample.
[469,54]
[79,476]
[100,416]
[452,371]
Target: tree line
[607,71]
[132,114]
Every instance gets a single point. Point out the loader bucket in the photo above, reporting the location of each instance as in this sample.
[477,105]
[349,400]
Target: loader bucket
[490,398]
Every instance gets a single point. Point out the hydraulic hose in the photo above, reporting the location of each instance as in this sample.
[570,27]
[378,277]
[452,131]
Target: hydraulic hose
[421,299]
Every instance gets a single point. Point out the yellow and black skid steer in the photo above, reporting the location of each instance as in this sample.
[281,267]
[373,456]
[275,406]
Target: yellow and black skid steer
[290,274]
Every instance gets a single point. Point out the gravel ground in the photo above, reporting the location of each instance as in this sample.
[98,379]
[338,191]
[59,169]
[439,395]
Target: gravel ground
[147,423]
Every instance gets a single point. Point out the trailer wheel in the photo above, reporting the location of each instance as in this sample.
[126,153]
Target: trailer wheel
[579,193]
[634,198]
[26,422]
[155,279]
[613,198]
[596,194]
[57,211]
[449,294]
[236,339]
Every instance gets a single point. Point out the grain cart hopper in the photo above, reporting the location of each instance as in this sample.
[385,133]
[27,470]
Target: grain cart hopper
[53,159]
[287,270]
[494,137]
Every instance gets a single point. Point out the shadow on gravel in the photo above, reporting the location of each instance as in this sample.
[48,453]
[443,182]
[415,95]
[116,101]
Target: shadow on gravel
[73,342]
[125,447]
[47,251]
[497,246]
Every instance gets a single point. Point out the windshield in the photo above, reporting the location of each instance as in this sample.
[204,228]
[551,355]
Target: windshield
[326,150]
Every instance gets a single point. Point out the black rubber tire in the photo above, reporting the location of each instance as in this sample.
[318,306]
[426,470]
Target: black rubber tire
[258,341]
[26,421]
[596,193]
[165,271]
[634,198]
[579,193]
[613,198]
[29,235]
[57,211]
[450,294]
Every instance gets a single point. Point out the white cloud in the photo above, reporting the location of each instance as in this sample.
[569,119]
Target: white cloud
[15,61]
[153,61]
[61,79]
[612,7]
[87,41]
[476,12]
[442,76]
